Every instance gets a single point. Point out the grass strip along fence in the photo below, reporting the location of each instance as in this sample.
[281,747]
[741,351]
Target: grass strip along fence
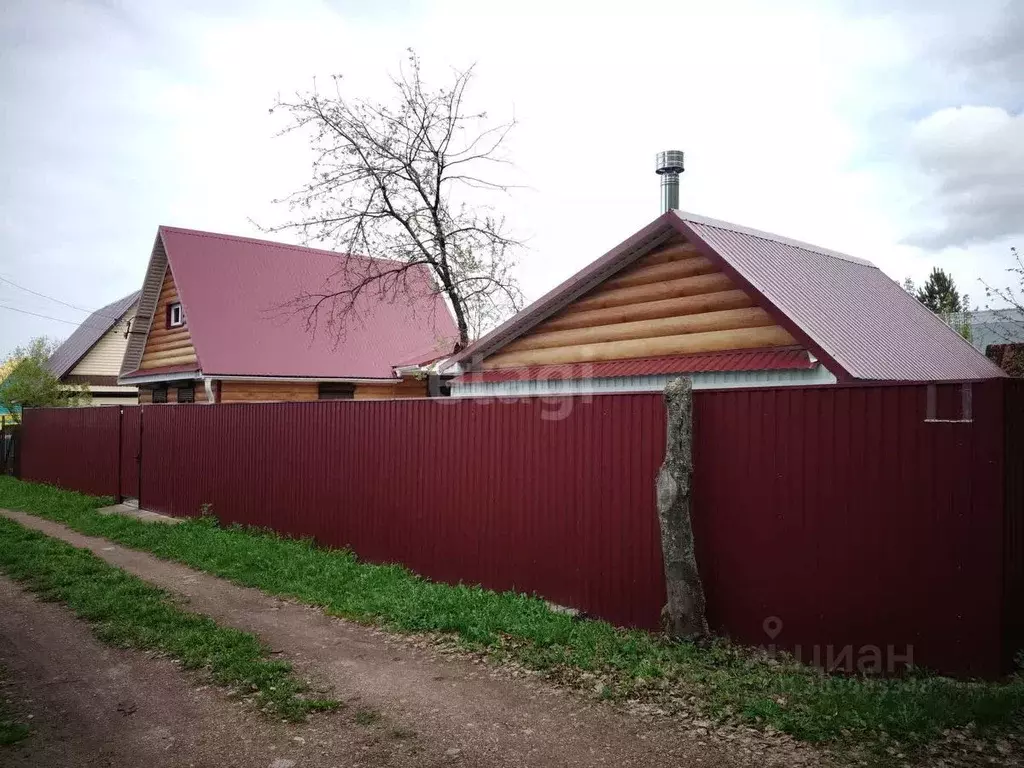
[725,681]
[125,611]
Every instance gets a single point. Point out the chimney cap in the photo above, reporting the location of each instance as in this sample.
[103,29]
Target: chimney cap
[669,161]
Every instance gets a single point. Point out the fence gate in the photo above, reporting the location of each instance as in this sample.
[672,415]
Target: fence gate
[9,439]
[130,452]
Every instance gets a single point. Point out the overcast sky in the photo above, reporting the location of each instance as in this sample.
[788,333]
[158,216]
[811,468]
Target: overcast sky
[892,130]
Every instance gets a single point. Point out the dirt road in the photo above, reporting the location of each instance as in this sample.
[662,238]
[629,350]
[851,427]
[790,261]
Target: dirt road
[406,703]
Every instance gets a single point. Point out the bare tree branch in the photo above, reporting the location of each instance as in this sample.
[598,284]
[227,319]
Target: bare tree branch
[387,180]
[1013,313]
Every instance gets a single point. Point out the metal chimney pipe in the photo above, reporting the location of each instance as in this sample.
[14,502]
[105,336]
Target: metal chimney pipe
[669,165]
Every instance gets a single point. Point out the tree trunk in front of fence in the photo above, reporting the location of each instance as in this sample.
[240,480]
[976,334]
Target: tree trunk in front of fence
[683,614]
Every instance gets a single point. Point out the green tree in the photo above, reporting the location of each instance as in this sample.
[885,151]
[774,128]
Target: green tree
[29,383]
[939,293]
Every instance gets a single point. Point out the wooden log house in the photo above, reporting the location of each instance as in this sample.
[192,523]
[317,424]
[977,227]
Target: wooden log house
[727,305]
[221,319]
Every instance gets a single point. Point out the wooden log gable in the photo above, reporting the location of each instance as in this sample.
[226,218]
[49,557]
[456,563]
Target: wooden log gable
[165,345]
[673,301]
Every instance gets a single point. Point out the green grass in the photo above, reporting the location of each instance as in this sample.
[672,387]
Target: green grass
[726,682]
[125,611]
[11,730]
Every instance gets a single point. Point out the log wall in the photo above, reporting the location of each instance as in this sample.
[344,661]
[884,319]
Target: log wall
[167,346]
[267,391]
[399,390]
[670,302]
[289,391]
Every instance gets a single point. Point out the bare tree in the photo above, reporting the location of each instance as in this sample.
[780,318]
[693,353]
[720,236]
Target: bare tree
[391,181]
[1012,296]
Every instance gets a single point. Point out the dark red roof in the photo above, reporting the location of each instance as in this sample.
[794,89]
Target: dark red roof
[856,320]
[740,360]
[234,291]
[846,306]
[88,333]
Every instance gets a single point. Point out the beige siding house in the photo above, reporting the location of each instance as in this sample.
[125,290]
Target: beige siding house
[92,355]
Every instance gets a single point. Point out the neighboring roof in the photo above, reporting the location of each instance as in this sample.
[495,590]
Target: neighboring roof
[780,359]
[995,326]
[234,291]
[860,323]
[88,333]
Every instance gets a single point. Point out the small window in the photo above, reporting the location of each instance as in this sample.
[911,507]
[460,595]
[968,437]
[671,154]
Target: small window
[336,390]
[186,394]
[160,395]
[175,315]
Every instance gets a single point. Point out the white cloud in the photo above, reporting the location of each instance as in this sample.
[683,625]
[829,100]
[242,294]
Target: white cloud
[973,159]
[117,122]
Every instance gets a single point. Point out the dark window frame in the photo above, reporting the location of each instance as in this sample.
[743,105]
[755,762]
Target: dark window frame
[160,394]
[190,393]
[335,390]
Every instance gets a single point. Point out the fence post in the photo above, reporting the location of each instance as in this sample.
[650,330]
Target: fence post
[119,497]
[138,459]
[16,447]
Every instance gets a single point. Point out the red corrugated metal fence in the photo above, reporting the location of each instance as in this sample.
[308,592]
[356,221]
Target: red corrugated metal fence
[839,515]
[502,494]
[834,517]
[1013,537]
[75,448]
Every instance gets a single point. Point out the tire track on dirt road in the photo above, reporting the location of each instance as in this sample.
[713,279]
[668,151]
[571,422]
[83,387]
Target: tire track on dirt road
[461,712]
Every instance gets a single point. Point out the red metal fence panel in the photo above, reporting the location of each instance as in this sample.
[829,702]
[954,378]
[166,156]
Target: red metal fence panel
[557,500]
[835,517]
[1013,541]
[73,448]
[842,516]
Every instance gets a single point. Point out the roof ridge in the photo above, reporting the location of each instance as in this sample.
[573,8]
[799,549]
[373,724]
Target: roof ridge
[272,243]
[129,299]
[772,237]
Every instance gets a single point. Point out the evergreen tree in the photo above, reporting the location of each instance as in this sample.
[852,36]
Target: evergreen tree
[939,293]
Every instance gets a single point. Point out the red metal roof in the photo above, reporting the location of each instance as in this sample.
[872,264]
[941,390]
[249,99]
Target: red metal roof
[235,290]
[741,360]
[848,307]
[88,333]
[856,320]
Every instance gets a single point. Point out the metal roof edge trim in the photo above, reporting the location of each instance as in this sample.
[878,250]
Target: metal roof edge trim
[142,313]
[731,361]
[274,377]
[181,298]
